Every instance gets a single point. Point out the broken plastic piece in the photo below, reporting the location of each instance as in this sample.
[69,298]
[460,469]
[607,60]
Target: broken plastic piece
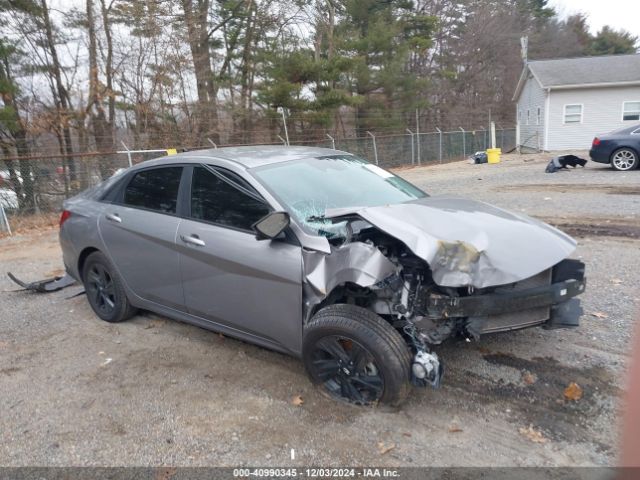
[356,262]
[45,286]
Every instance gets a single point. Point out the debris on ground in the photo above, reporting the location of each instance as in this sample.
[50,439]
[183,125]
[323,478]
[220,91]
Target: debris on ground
[599,315]
[454,429]
[297,400]
[528,378]
[479,157]
[573,392]
[106,362]
[532,434]
[45,286]
[563,162]
[384,448]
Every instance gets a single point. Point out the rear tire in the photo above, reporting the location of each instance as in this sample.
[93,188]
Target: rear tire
[356,356]
[624,159]
[105,291]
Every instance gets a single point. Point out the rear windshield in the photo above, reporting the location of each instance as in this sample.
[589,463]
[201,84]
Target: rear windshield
[622,131]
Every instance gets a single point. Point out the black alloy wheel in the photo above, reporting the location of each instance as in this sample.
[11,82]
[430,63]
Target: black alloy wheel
[347,369]
[100,289]
[356,356]
[105,290]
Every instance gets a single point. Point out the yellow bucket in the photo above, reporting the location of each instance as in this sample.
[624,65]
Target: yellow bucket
[493,155]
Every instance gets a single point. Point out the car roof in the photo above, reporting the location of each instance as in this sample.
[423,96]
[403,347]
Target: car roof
[622,131]
[250,156]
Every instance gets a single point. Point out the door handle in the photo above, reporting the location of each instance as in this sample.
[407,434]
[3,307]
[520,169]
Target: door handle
[114,217]
[193,240]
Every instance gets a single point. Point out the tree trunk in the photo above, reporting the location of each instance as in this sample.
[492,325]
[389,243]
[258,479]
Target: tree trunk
[196,20]
[63,99]
[246,69]
[22,184]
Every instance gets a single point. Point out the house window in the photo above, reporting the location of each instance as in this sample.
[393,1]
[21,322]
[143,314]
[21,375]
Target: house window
[539,116]
[528,115]
[631,111]
[573,113]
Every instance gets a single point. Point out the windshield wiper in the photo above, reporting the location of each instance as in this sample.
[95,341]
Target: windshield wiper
[316,218]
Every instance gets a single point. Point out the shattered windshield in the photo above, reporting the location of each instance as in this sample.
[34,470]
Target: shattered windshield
[310,186]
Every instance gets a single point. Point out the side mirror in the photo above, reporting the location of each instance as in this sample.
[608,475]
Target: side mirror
[272,225]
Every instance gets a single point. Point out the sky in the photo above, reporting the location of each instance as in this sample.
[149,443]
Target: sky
[620,14]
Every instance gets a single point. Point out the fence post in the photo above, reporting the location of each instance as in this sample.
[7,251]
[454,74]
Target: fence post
[484,137]
[439,145]
[464,142]
[493,135]
[5,219]
[375,147]
[212,143]
[333,142]
[418,137]
[284,142]
[413,152]
[128,153]
[286,132]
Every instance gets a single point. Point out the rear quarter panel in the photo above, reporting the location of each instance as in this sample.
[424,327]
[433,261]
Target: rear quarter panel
[80,231]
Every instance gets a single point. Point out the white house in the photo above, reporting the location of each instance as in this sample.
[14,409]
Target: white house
[563,103]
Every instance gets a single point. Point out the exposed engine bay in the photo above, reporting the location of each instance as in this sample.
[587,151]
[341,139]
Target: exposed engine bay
[372,269]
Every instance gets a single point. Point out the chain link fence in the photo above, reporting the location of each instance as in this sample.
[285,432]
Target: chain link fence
[39,184]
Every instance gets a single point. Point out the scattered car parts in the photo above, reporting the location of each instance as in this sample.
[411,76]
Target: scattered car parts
[47,285]
[563,162]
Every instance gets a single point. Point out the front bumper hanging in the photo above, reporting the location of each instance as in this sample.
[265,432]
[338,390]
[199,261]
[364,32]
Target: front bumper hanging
[441,306]
[556,300]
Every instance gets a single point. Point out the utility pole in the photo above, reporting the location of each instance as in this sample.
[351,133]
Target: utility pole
[524,44]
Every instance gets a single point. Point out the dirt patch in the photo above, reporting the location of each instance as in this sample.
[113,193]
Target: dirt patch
[571,188]
[620,229]
[29,223]
[540,400]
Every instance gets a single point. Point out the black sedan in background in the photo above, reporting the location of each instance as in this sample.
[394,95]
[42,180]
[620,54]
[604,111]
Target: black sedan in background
[620,148]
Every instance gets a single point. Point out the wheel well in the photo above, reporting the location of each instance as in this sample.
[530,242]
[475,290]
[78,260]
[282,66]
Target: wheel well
[349,293]
[83,256]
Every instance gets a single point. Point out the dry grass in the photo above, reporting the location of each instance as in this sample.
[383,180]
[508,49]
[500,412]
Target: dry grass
[29,223]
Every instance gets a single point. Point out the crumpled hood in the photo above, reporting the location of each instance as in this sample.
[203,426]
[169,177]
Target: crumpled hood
[466,242]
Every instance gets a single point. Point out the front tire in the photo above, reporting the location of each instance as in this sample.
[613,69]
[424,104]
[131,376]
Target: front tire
[624,159]
[356,356]
[104,290]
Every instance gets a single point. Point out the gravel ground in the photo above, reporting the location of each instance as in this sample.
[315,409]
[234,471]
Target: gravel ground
[151,391]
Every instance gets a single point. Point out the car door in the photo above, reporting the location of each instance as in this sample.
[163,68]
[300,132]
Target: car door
[139,231]
[230,277]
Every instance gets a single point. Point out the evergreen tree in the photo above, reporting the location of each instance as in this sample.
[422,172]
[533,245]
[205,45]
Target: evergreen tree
[612,42]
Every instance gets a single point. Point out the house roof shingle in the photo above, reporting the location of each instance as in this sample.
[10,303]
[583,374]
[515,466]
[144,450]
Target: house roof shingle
[587,70]
[582,72]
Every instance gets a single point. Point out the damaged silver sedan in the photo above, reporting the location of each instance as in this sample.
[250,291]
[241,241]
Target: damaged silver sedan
[319,254]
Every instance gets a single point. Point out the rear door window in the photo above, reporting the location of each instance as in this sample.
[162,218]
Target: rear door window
[154,189]
[216,201]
